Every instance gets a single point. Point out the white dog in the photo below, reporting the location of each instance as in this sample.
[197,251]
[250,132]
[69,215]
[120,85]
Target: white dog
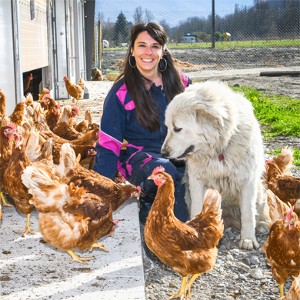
[214,130]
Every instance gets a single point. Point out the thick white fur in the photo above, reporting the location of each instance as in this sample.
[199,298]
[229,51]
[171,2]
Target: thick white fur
[218,122]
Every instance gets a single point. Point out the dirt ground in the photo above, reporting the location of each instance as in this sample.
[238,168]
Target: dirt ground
[235,66]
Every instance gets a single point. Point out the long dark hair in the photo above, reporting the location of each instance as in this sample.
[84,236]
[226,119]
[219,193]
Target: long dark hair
[135,82]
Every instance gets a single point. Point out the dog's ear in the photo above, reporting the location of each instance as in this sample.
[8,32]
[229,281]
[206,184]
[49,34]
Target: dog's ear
[213,115]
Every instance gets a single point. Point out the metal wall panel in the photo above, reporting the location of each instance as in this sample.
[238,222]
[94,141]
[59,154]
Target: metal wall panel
[33,34]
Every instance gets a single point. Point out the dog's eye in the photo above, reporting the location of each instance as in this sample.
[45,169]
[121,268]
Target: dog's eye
[176,129]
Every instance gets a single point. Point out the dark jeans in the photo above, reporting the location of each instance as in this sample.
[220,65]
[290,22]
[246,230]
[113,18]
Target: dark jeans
[139,177]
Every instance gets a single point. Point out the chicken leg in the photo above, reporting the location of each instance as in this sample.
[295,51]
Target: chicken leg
[189,284]
[27,227]
[281,290]
[4,200]
[77,258]
[99,245]
[181,292]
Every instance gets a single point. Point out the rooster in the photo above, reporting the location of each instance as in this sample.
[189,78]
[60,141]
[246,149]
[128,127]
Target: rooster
[189,248]
[279,180]
[74,90]
[69,217]
[282,244]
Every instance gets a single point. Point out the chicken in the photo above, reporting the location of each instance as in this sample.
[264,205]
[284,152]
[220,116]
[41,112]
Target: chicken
[26,83]
[13,184]
[81,83]
[25,152]
[2,104]
[64,127]
[7,135]
[81,145]
[76,219]
[84,125]
[294,292]
[43,93]
[17,116]
[53,114]
[74,90]
[279,180]
[113,193]
[189,248]
[97,75]
[282,244]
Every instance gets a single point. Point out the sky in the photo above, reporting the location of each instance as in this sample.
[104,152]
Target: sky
[172,11]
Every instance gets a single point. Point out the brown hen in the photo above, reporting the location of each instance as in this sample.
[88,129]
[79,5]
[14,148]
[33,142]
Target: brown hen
[282,245]
[279,180]
[2,104]
[74,90]
[7,139]
[69,217]
[294,291]
[111,192]
[189,248]
[64,127]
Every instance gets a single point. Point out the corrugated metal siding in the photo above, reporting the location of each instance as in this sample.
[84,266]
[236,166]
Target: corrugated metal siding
[33,35]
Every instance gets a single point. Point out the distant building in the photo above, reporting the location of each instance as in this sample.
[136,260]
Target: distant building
[189,38]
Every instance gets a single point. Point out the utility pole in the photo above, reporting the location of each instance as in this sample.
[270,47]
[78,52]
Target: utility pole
[213,25]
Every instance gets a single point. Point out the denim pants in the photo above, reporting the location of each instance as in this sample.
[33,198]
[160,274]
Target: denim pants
[139,174]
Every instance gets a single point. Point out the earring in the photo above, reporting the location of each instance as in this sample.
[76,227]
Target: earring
[132,65]
[162,65]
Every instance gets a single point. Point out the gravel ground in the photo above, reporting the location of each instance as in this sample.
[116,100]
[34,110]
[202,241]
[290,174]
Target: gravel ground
[238,274]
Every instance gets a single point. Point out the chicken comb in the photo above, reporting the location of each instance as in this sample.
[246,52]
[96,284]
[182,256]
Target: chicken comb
[158,169]
[11,125]
[289,214]
[75,108]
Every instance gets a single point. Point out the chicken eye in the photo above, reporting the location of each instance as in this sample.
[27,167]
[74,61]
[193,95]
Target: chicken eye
[176,129]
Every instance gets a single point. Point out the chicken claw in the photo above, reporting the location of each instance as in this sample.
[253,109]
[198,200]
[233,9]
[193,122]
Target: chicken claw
[28,229]
[99,245]
[77,258]
[4,200]
[181,293]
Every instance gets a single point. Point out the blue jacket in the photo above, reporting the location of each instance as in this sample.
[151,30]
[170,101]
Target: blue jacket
[119,121]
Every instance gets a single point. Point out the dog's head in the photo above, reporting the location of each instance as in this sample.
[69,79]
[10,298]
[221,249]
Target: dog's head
[196,120]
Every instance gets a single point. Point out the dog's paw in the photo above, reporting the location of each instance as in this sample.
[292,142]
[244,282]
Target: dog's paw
[248,244]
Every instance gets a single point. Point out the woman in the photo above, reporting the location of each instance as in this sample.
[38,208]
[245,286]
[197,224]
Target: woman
[134,111]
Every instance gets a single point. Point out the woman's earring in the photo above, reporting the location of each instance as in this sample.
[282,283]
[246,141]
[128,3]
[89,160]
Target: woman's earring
[132,63]
[162,65]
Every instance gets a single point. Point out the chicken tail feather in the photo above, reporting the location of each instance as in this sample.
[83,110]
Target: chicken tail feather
[212,203]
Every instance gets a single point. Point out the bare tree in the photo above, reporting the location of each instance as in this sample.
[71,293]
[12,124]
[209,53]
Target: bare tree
[148,16]
[138,15]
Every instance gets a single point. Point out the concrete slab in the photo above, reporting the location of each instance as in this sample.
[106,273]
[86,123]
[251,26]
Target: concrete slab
[31,269]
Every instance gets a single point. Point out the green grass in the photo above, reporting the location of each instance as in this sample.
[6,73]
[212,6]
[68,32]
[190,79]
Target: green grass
[239,44]
[229,44]
[278,115]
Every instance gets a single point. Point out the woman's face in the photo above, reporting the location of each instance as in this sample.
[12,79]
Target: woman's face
[147,53]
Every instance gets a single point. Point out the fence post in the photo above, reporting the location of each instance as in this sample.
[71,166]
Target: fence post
[213,29]
[100,44]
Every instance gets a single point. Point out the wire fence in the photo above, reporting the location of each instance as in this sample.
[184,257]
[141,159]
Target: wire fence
[260,36]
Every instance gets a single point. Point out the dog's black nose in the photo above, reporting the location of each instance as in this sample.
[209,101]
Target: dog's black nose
[165,153]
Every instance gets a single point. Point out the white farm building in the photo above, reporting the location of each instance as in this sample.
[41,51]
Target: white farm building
[47,39]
